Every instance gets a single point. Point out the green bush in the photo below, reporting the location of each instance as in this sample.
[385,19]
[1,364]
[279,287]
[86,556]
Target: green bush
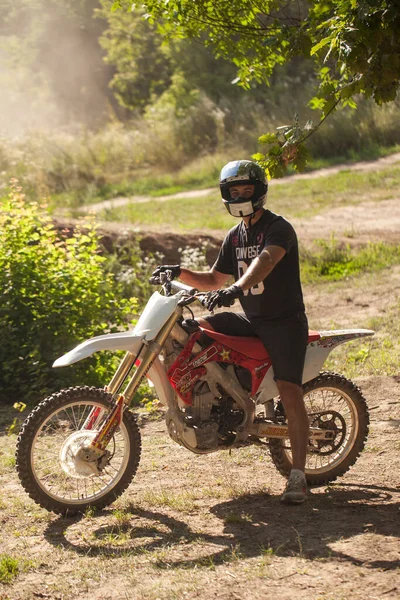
[54,292]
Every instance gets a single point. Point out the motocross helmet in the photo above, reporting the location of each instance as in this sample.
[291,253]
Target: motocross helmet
[239,172]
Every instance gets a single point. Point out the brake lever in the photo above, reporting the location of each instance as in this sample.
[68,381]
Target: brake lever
[154,280]
[203,298]
[161,278]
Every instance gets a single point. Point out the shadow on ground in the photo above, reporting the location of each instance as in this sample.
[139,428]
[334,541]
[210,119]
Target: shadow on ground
[251,525]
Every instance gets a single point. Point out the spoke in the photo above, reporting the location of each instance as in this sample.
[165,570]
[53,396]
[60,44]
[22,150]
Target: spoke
[74,417]
[47,458]
[81,415]
[69,418]
[333,403]
[112,466]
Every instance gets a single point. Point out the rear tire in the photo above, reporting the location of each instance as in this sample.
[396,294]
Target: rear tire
[333,401]
[46,443]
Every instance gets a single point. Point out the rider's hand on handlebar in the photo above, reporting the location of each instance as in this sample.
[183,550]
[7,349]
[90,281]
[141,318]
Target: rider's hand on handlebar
[175,271]
[224,297]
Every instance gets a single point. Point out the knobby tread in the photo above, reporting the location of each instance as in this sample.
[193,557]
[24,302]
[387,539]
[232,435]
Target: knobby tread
[27,434]
[332,380]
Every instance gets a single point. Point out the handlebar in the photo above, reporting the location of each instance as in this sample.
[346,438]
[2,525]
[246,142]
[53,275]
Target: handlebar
[178,286]
[171,285]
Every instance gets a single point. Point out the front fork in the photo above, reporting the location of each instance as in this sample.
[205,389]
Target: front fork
[146,356]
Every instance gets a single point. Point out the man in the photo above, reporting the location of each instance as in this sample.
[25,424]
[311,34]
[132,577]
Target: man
[261,253]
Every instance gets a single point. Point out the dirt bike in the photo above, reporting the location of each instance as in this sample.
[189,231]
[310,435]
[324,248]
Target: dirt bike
[81,447]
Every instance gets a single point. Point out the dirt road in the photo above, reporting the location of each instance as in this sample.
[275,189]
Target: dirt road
[212,526]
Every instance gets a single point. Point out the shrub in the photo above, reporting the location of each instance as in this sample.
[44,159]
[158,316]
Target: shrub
[54,292]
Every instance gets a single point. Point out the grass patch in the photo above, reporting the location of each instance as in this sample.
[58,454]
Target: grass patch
[181,501]
[379,355]
[9,568]
[7,462]
[371,152]
[301,198]
[199,174]
[308,197]
[334,262]
[184,214]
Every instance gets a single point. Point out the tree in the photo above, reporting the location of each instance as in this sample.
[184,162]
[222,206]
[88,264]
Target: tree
[134,47]
[144,65]
[354,46]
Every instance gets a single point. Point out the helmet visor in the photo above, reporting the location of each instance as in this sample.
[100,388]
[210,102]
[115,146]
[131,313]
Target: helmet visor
[239,192]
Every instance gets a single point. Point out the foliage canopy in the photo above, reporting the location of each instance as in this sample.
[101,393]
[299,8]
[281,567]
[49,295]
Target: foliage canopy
[354,46]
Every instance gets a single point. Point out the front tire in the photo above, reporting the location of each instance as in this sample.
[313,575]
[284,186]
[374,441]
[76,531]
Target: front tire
[45,452]
[334,402]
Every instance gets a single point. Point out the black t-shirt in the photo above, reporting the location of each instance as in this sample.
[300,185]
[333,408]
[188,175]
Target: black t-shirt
[279,294]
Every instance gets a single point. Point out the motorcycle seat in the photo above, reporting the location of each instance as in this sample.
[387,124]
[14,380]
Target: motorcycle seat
[250,346]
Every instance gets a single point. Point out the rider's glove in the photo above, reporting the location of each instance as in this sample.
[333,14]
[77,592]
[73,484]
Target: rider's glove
[175,271]
[224,297]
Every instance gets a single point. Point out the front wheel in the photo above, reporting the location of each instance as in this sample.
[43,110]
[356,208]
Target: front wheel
[48,450]
[332,402]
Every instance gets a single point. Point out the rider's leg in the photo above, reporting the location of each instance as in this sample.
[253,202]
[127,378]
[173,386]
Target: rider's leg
[292,399]
[204,323]
[286,342]
[228,323]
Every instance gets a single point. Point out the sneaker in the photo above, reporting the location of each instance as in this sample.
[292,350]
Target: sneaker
[295,490]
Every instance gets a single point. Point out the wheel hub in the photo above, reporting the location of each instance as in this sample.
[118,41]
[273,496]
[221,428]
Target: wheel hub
[332,421]
[71,455]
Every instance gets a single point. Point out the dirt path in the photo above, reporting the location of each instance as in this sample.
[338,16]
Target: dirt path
[367,221]
[212,527]
[359,166]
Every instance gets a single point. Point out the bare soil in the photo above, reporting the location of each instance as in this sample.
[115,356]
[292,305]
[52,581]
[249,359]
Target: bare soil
[212,527]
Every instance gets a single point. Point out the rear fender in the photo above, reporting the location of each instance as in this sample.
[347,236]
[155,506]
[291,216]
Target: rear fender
[316,355]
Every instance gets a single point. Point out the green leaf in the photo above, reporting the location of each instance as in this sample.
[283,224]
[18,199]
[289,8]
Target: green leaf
[321,44]
[268,138]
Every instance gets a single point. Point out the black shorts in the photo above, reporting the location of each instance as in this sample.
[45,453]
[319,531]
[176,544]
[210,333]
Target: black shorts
[285,339]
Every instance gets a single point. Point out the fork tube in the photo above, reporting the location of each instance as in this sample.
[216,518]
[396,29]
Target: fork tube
[153,350]
[121,373]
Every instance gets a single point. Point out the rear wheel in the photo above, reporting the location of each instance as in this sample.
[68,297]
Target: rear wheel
[335,403]
[48,448]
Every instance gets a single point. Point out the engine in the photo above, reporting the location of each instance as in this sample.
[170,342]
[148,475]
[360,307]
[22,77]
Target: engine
[211,420]
[203,401]
[199,416]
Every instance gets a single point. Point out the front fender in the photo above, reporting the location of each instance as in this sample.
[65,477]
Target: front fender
[124,340]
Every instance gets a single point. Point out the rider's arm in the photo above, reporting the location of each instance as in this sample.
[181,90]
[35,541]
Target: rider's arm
[261,267]
[203,280]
